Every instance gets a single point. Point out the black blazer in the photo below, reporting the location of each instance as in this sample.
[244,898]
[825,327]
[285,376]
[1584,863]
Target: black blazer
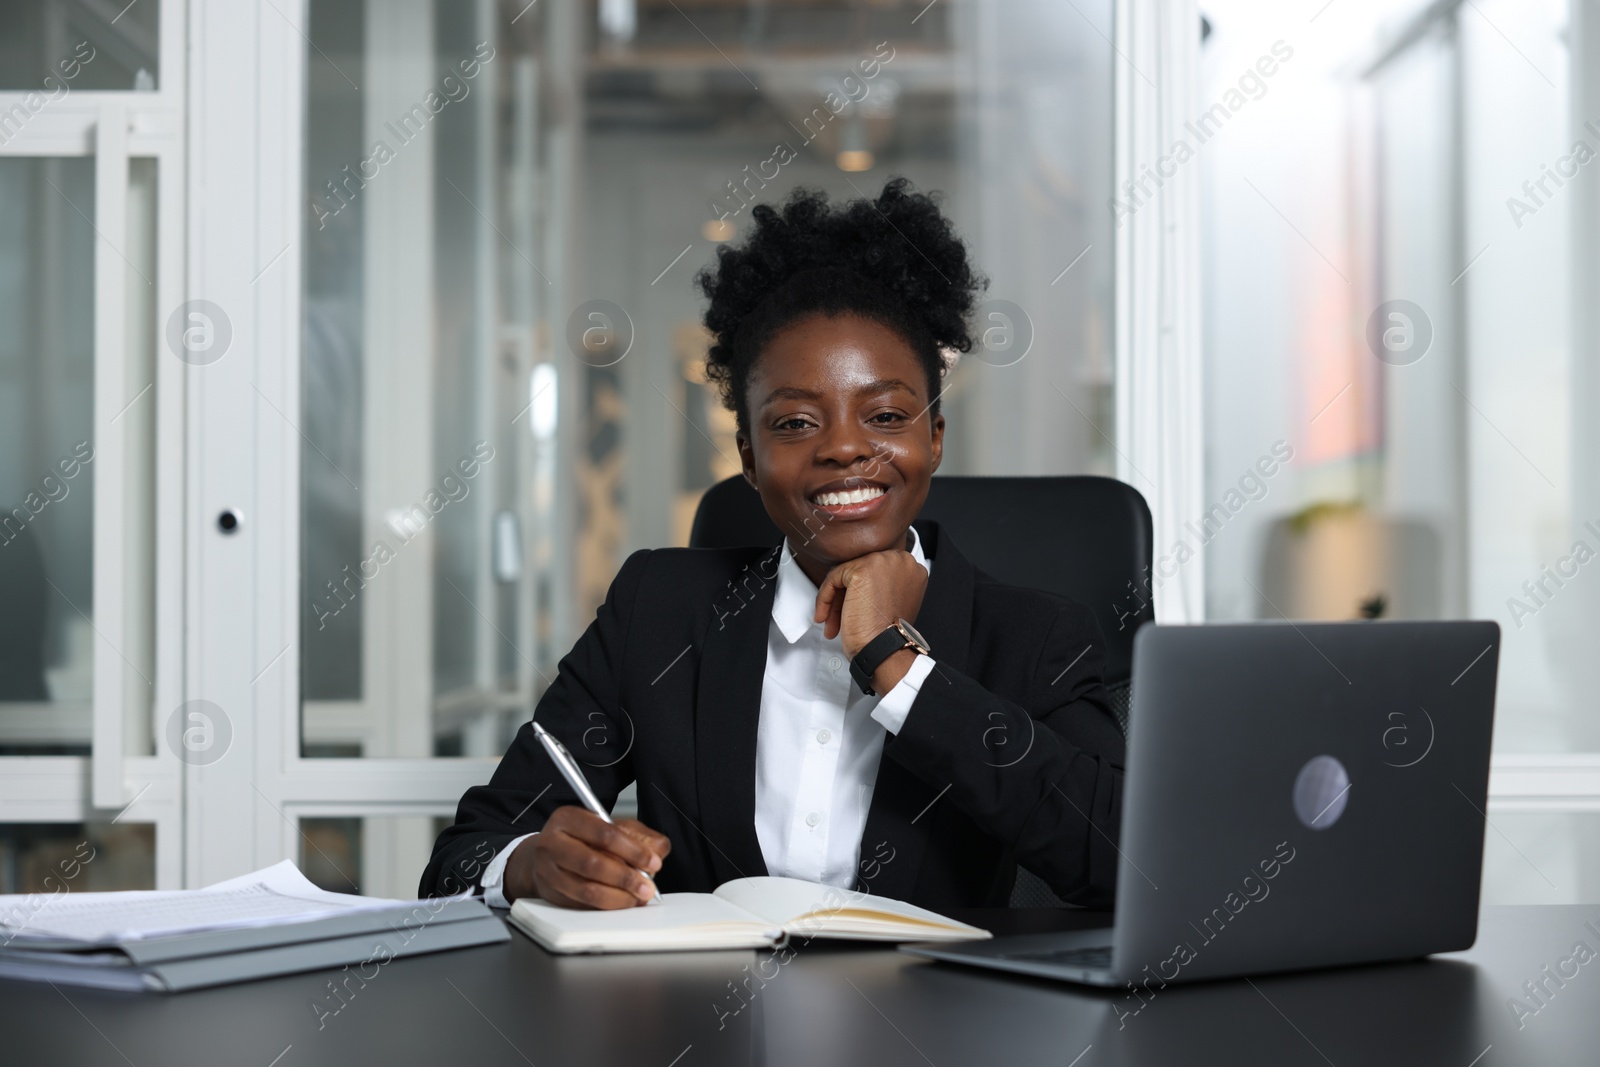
[1009,754]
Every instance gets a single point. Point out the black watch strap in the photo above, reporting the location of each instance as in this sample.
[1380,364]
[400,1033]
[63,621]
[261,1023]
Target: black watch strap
[870,658]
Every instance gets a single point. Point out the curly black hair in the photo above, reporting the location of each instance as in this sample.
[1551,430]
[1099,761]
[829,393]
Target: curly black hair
[896,260]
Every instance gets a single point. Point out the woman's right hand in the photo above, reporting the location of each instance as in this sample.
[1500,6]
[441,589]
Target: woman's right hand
[581,861]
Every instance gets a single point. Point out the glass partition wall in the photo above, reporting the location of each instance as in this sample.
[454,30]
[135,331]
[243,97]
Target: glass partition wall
[1398,225]
[501,394]
[378,318]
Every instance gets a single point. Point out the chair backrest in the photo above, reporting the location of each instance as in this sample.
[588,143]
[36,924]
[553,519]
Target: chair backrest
[1078,536]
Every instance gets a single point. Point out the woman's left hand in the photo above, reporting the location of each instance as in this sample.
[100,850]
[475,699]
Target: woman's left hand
[862,597]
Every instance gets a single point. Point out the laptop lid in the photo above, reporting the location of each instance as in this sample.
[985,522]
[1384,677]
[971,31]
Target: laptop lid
[1302,795]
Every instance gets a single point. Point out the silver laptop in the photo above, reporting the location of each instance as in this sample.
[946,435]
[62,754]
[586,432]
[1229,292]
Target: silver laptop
[1297,795]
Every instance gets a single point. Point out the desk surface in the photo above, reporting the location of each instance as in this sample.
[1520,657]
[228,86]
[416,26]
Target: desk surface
[833,1003]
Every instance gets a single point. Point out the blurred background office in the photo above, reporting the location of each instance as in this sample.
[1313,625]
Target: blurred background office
[347,347]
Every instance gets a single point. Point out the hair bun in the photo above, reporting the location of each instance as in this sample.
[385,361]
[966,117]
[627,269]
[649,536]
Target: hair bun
[810,256]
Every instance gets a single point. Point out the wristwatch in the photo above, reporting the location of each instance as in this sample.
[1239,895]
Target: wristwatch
[901,635]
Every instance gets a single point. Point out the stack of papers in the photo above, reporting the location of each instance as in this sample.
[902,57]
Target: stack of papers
[271,922]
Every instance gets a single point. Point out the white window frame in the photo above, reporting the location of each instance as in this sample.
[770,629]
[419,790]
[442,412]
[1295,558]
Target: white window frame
[114,127]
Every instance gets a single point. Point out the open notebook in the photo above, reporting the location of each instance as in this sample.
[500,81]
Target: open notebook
[743,913]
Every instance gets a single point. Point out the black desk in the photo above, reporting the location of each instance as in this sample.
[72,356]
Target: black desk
[838,1004]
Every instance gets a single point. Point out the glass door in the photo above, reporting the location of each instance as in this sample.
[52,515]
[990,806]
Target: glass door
[366,627]
[419,280]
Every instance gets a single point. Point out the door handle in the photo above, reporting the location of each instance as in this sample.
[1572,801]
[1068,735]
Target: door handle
[110,481]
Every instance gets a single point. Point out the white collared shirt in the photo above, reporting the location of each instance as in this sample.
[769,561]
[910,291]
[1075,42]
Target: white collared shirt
[819,740]
[818,743]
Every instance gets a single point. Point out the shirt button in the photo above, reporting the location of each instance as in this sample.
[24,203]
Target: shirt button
[813,819]
[823,737]
[834,663]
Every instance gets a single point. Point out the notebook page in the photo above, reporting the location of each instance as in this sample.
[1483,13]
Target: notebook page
[675,912]
[278,894]
[804,907]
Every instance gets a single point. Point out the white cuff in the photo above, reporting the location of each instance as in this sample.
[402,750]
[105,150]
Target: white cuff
[892,710]
[494,875]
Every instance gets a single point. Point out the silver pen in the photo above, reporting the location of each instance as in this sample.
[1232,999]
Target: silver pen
[569,770]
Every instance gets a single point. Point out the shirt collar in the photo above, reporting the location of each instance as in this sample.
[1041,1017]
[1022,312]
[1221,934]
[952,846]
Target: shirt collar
[796,598]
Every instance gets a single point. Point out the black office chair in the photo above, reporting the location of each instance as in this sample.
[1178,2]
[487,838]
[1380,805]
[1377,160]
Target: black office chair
[1078,536]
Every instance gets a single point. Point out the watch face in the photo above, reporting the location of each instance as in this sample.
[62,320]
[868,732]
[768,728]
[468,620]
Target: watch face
[912,635]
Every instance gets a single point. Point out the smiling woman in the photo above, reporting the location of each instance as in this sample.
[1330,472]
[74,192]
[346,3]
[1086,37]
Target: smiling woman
[798,737]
